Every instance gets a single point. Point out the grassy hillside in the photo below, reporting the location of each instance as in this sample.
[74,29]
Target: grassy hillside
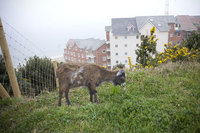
[164,99]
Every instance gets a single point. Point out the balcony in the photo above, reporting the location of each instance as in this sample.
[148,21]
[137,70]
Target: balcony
[108,56]
[108,64]
[90,56]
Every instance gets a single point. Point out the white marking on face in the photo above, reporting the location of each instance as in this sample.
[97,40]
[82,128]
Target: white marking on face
[124,84]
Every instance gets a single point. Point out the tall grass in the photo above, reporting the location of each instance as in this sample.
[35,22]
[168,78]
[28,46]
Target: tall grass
[163,99]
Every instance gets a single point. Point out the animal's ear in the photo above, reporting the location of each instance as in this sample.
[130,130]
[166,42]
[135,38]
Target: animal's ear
[120,73]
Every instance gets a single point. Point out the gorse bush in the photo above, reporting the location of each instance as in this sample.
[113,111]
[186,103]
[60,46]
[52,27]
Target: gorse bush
[147,56]
[147,50]
[178,53]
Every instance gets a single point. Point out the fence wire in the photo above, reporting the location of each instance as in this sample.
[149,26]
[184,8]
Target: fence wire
[34,71]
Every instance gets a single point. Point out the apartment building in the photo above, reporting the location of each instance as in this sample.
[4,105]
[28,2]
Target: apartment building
[123,36]
[86,50]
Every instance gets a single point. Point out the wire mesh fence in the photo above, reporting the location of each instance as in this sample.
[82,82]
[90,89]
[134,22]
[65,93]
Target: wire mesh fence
[34,71]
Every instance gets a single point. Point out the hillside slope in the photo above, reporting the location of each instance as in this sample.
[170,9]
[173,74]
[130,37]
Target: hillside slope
[164,99]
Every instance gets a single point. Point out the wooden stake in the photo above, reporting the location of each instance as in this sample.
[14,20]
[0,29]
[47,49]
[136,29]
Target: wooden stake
[8,62]
[3,92]
[55,68]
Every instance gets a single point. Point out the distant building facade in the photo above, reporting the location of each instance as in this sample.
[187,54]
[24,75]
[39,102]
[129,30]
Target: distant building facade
[123,36]
[86,50]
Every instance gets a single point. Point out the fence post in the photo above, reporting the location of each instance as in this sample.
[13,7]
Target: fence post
[3,92]
[8,62]
[55,67]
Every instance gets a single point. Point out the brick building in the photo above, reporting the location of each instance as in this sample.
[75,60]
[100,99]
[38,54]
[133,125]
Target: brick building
[87,50]
[183,27]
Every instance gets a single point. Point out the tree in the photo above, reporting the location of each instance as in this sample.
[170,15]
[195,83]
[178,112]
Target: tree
[4,79]
[36,75]
[193,41]
[147,49]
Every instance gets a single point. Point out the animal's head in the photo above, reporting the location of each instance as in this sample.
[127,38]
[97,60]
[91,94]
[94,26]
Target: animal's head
[120,78]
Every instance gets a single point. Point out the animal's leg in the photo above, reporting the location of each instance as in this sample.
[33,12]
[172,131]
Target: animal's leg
[67,96]
[91,95]
[60,97]
[95,96]
[94,92]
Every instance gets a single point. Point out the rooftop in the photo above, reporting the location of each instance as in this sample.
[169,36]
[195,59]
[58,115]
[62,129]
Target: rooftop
[124,26]
[160,22]
[89,43]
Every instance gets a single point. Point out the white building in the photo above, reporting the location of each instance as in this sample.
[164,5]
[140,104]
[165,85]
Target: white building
[124,35]
[58,59]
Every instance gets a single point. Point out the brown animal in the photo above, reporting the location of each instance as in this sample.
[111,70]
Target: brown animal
[73,75]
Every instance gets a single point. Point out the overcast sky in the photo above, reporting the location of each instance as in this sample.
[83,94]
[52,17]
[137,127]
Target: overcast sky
[50,23]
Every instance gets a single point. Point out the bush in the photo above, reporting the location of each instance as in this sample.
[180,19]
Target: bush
[119,66]
[4,79]
[36,75]
[193,41]
[178,53]
[147,49]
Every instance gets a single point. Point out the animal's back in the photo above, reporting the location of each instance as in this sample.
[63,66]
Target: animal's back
[70,67]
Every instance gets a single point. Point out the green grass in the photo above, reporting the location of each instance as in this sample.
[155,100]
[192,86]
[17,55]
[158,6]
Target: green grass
[164,99]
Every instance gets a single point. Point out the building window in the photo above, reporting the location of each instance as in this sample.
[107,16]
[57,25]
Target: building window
[105,65]
[116,45]
[103,51]
[116,37]
[137,37]
[92,60]
[104,58]
[79,55]
[125,53]
[126,61]
[117,61]
[137,45]
[116,53]
[171,35]
[125,37]
[125,45]
[82,56]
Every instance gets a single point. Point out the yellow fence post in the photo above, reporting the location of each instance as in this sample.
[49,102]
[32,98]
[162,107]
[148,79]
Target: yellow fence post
[3,92]
[55,68]
[8,62]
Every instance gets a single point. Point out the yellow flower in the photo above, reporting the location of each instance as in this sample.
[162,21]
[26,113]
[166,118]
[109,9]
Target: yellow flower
[165,44]
[102,66]
[159,62]
[194,55]
[153,29]
[146,47]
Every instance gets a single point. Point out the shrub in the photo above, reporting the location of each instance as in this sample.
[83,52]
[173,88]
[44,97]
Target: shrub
[147,50]
[119,66]
[193,41]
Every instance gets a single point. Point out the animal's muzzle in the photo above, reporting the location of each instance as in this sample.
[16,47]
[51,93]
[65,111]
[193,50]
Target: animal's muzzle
[124,84]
